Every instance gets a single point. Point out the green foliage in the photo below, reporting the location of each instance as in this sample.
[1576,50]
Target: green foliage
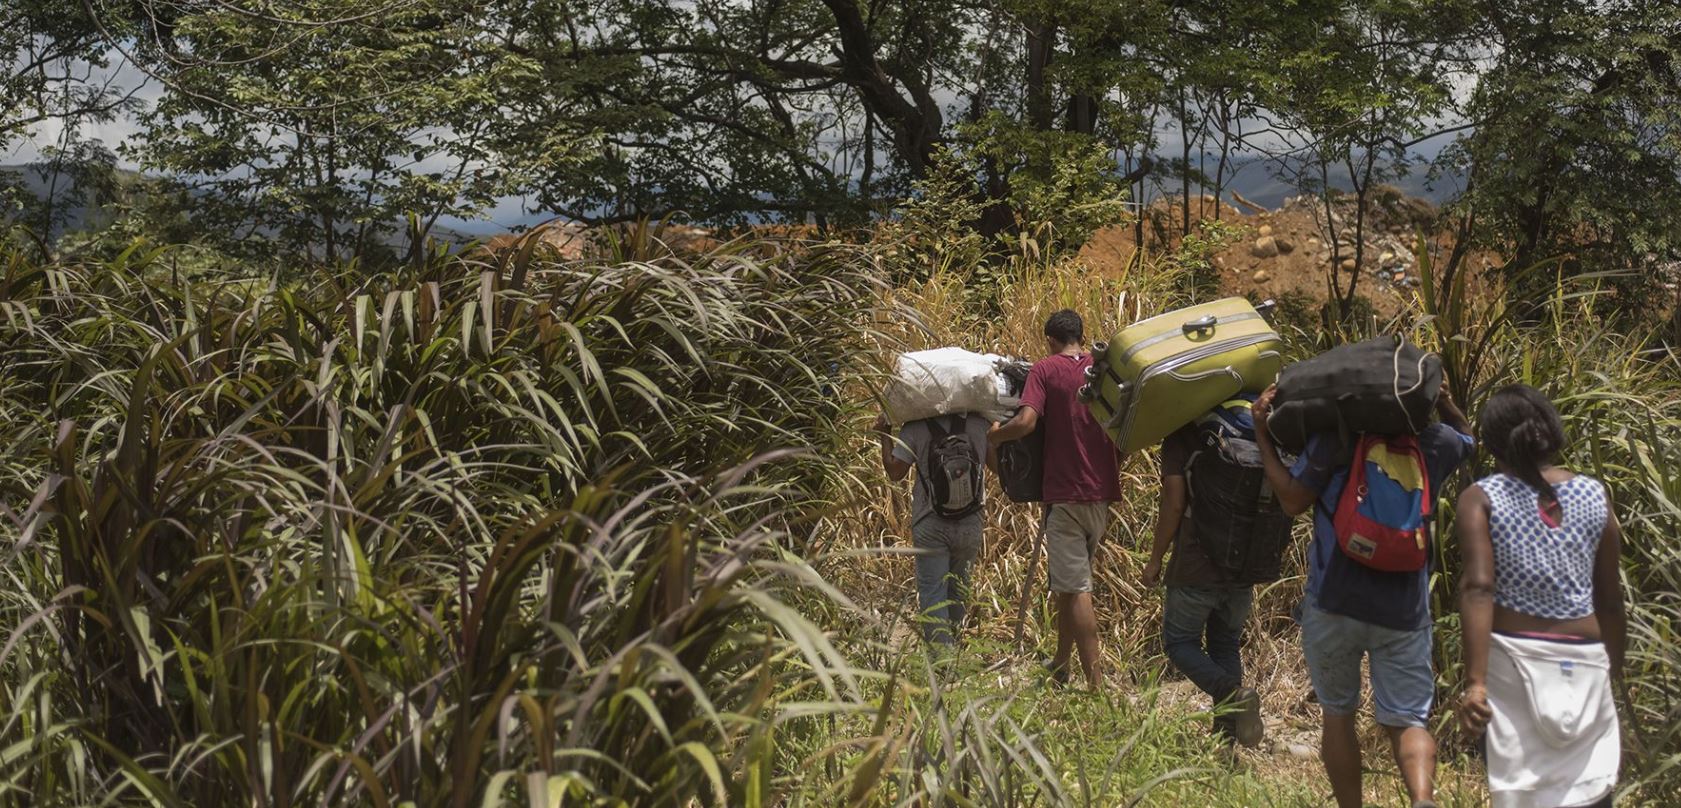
[934,232]
[51,55]
[441,535]
[312,132]
[727,112]
[1063,187]
[1195,256]
[1052,211]
[1575,151]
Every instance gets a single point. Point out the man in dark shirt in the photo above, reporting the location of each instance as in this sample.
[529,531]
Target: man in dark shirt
[1200,603]
[1352,612]
[1081,479]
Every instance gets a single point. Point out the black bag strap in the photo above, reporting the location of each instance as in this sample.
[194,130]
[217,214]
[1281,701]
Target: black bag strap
[938,430]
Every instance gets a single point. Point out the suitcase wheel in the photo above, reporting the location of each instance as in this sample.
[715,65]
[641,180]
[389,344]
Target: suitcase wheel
[1092,372]
[1086,392]
[1100,347]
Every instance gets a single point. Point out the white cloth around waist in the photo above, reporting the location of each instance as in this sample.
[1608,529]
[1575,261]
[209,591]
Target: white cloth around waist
[1553,740]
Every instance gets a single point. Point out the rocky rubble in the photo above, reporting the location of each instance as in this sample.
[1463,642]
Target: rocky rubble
[1392,225]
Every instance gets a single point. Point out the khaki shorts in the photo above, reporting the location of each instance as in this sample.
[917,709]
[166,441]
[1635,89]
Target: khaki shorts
[1072,531]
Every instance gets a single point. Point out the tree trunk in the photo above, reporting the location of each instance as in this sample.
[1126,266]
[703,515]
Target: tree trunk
[1041,41]
[1226,122]
[916,124]
[1082,114]
[868,176]
[1184,166]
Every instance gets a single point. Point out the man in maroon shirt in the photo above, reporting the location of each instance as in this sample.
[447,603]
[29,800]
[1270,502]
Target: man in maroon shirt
[1081,479]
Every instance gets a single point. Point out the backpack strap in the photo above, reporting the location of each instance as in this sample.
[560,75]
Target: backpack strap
[938,430]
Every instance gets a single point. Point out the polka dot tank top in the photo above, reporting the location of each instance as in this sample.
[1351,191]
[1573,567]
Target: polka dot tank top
[1541,569]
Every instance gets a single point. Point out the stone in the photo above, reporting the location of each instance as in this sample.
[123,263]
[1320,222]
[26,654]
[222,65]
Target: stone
[1284,245]
[1266,230]
[1386,257]
[1348,264]
[1264,247]
[1313,244]
[1301,751]
[1262,276]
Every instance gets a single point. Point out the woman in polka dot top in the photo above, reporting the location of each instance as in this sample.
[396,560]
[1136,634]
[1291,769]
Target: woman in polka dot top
[1542,612]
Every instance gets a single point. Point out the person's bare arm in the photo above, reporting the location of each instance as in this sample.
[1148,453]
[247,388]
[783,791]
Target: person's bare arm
[1608,593]
[1168,516]
[1022,425]
[1476,606]
[896,469]
[1293,497]
[1450,413]
[992,457]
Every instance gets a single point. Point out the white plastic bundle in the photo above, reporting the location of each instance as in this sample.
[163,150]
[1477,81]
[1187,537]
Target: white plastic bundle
[947,380]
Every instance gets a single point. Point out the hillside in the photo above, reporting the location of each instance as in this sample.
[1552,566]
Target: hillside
[1288,251]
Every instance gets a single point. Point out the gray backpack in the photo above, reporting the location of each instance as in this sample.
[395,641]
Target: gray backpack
[951,468]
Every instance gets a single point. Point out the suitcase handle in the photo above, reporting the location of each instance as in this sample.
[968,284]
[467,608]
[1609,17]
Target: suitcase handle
[1227,371]
[1123,392]
[1200,325]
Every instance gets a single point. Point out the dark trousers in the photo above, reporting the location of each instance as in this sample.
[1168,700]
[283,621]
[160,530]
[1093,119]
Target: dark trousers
[1202,631]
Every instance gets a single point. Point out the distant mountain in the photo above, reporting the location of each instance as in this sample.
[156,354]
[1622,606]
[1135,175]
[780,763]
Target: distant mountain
[38,181]
[1259,181]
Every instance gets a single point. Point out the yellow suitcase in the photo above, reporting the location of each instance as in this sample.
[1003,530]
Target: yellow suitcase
[1159,374]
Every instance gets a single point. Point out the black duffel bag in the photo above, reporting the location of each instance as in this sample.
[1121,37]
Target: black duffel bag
[1383,386]
[1021,467]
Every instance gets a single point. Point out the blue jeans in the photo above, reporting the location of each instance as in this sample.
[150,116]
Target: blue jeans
[1202,631]
[945,550]
[1403,685]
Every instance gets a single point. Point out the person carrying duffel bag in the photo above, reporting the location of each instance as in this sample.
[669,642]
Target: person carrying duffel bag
[1367,594]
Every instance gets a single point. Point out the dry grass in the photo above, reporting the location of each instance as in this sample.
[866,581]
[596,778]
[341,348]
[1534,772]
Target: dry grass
[942,311]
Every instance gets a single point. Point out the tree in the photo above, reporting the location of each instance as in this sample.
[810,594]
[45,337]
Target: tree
[55,71]
[53,67]
[312,127]
[1360,85]
[1576,158]
[731,112]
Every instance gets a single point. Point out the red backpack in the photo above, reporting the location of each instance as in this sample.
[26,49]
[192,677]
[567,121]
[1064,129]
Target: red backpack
[1383,515]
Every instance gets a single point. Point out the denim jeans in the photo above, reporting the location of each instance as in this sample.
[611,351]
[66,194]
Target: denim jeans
[1202,631]
[945,549]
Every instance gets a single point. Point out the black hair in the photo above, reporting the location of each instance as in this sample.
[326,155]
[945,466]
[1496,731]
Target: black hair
[1523,430]
[1066,327]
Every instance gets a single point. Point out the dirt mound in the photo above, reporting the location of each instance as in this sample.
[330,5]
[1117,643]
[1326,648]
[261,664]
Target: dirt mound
[1290,250]
[565,240]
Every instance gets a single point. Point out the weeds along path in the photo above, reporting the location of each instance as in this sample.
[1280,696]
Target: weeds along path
[1146,736]
[514,530]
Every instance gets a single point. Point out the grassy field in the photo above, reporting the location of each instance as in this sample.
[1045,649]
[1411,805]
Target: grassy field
[511,531]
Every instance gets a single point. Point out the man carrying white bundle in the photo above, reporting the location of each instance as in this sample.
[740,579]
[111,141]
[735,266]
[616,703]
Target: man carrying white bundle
[947,452]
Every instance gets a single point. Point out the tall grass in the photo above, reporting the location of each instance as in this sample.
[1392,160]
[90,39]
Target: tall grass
[1619,391]
[510,530]
[451,535]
